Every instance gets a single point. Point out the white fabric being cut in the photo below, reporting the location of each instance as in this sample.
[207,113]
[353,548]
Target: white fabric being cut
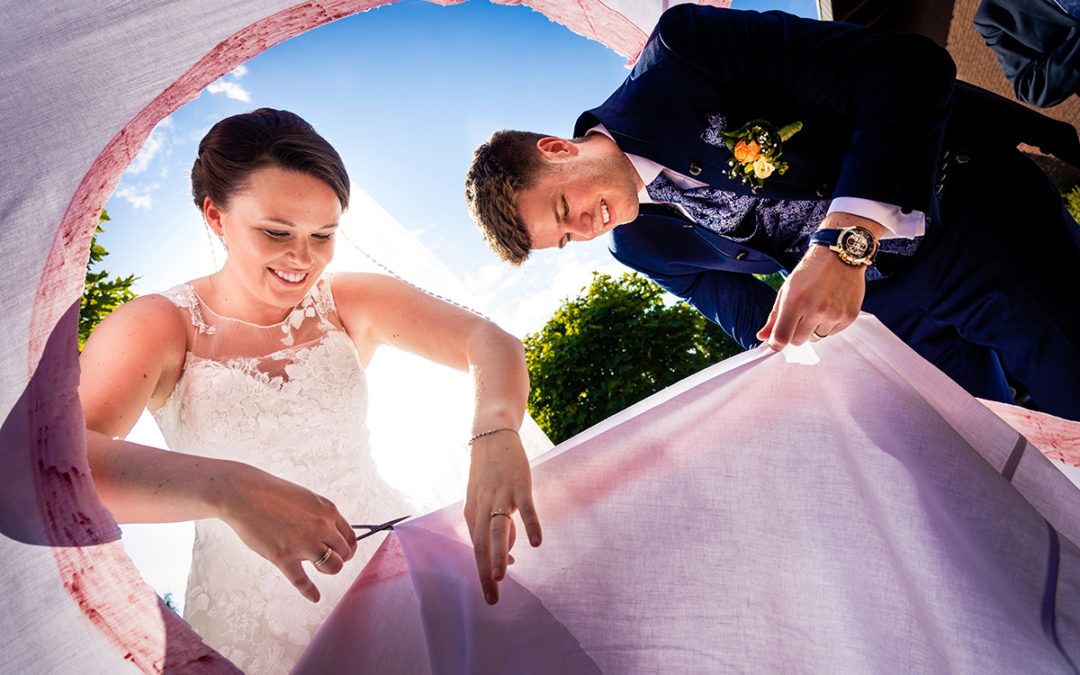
[836,508]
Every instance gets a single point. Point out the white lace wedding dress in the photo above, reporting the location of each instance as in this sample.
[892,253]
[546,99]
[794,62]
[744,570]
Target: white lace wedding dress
[290,399]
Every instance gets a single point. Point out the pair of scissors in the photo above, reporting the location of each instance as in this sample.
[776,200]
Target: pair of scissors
[372,529]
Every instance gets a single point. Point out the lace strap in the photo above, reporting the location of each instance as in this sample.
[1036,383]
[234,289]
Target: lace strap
[183,296]
[322,297]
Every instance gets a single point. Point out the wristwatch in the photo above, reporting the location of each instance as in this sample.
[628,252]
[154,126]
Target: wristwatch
[855,245]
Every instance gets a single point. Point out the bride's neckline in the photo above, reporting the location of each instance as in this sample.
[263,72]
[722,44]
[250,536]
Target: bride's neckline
[218,315]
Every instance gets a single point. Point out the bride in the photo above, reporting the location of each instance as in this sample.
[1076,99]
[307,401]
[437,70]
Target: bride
[255,375]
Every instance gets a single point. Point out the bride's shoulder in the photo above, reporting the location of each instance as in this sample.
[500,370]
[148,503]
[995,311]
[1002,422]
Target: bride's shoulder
[153,316]
[144,338]
[365,299]
[361,280]
[353,290]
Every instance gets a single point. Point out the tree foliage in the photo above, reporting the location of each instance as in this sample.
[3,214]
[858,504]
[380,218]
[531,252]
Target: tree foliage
[102,293]
[612,346]
[1072,201]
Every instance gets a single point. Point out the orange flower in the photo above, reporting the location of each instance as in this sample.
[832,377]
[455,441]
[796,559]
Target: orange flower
[746,152]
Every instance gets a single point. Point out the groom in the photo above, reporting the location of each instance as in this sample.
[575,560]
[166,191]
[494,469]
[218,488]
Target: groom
[746,143]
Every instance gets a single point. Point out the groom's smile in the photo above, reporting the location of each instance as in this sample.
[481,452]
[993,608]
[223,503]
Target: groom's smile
[587,191]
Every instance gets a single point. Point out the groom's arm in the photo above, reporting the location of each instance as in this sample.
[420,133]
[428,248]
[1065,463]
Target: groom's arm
[678,261]
[1037,45]
[893,90]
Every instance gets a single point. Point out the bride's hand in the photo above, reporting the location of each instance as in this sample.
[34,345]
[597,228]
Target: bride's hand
[287,524]
[499,482]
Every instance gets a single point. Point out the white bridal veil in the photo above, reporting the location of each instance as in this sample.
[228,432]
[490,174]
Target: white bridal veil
[810,548]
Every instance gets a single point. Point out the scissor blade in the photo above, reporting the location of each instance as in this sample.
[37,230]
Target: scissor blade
[388,525]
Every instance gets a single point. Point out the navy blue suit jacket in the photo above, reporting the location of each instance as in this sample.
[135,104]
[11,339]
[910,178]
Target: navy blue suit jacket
[1037,45]
[877,108]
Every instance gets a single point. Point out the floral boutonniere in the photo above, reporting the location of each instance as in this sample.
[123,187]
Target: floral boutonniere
[756,147]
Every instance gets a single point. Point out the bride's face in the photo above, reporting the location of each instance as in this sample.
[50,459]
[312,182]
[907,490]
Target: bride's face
[279,233]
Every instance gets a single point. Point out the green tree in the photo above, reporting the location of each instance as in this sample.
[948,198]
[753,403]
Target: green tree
[612,346]
[102,294]
[1072,201]
[169,602]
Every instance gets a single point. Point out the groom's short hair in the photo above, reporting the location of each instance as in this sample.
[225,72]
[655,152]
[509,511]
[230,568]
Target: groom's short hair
[507,163]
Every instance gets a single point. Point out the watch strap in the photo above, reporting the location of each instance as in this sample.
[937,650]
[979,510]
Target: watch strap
[825,237]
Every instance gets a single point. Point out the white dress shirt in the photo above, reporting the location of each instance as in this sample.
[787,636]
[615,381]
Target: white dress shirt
[900,225]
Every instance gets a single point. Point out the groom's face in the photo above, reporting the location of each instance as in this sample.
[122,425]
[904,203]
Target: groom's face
[582,196]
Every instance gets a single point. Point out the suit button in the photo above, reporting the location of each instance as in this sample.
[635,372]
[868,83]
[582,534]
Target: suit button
[823,190]
[740,256]
[695,169]
[963,158]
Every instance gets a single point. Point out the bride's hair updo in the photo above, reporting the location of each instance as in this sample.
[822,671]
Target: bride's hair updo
[239,145]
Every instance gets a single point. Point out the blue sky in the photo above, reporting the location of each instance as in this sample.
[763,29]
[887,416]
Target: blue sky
[405,93]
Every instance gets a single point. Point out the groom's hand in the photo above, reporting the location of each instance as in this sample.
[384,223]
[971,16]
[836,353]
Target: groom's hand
[499,483]
[822,295]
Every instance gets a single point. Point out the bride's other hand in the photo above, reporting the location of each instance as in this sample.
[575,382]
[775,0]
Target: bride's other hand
[499,483]
[377,309]
[287,524]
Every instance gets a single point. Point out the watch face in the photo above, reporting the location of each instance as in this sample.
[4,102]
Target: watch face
[855,243]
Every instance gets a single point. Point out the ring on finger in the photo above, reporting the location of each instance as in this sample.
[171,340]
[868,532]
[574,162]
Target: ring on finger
[501,512]
[325,557]
[820,336]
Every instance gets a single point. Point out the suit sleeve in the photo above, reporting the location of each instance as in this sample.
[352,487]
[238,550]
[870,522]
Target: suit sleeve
[892,89]
[1037,46]
[738,302]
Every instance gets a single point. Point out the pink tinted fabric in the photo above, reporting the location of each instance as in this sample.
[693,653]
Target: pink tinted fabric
[77,111]
[840,508]
[622,25]
[1058,438]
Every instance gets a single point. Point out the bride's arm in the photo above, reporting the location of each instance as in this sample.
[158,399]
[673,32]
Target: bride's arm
[134,357]
[377,309]
[131,360]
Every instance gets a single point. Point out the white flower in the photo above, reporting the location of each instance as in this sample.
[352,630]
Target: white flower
[763,168]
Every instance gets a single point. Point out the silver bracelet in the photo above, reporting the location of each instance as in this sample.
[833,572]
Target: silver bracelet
[487,433]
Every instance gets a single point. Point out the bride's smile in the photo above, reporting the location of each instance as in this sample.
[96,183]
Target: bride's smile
[278,232]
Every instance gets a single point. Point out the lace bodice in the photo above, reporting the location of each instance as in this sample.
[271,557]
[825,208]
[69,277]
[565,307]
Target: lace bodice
[290,399]
[247,403]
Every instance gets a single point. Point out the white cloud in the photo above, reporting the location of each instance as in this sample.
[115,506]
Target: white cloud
[229,85]
[230,89]
[137,197]
[155,142]
[522,300]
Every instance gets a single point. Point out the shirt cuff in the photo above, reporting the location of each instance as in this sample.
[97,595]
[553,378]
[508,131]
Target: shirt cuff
[900,225]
